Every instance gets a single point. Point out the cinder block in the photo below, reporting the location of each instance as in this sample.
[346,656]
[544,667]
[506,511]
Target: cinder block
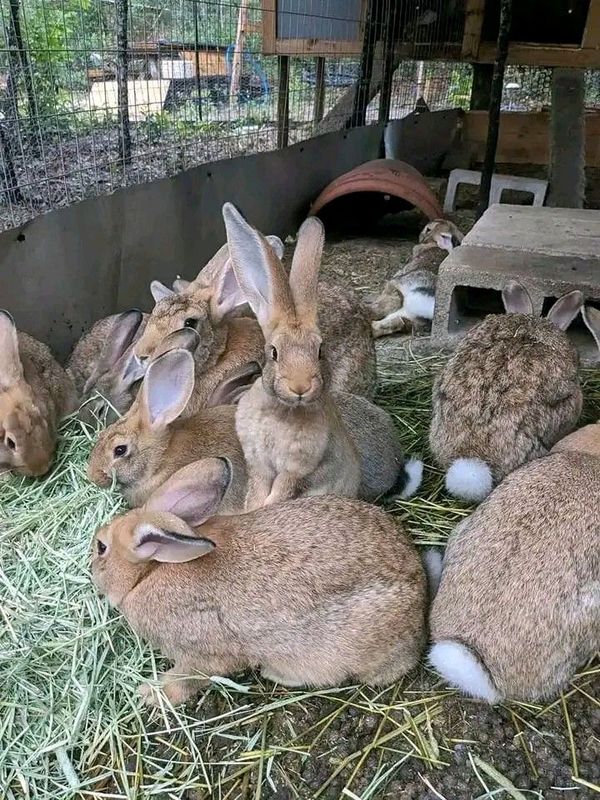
[550,251]
[535,186]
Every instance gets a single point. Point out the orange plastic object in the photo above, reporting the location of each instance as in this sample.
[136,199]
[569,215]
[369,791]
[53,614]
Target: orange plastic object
[385,175]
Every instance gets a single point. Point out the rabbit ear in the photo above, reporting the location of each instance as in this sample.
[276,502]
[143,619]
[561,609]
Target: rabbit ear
[591,317]
[457,236]
[181,339]
[194,492]
[566,308]
[277,245]
[227,296]
[133,370]
[304,274]
[151,543]
[160,291]
[516,299]
[121,337]
[233,386]
[167,387]
[180,285]
[259,272]
[209,274]
[11,369]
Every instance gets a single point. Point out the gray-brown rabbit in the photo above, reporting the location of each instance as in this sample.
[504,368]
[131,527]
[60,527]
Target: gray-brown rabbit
[315,591]
[517,610]
[510,390]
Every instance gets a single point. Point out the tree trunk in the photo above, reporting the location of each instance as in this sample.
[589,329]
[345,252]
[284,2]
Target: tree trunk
[238,54]
[17,39]
[121,12]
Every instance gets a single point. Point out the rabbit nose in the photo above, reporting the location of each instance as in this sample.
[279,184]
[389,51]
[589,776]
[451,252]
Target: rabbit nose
[300,388]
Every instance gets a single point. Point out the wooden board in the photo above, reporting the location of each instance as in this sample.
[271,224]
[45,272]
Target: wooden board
[542,55]
[210,62]
[591,34]
[474,11]
[524,137]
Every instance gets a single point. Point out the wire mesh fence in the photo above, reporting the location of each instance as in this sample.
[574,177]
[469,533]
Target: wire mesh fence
[99,94]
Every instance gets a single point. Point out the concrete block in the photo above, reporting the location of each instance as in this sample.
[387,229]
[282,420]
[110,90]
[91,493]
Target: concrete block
[549,251]
[536,186]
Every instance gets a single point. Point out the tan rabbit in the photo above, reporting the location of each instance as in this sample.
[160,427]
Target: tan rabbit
[291,431]
[213,303]
[315,591]
[510,390]
[102,364]
[152,441]
[407,299]
[518,606]
[35,394]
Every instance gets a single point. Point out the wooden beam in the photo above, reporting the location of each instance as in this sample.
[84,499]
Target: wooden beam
[591,33]
[283,102]
[531,55]
[238,53]
[269,26]
[317,47]
[474,12]
[319,106]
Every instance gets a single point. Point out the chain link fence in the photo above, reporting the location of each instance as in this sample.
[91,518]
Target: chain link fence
[99,94]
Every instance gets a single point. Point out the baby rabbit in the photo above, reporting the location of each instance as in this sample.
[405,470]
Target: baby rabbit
[407,299]
[518,605]
[506,395]
[102,363]
[316,591]
[291,432]
[151,441]
[35,394]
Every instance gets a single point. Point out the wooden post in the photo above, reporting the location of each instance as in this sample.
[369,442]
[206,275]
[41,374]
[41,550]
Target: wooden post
[489,160]
[567,139]
[197,60]
[482,86]
[238,54]
[385,93]
[319,89]
[283,102]
[361,98]
[121,12]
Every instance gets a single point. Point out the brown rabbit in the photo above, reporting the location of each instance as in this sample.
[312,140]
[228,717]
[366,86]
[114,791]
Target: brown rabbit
[518,605]
[152,441]
[291,431]
[227,342]
[102,364]
[407,299]
[507,394]
[315,591]
[35,394]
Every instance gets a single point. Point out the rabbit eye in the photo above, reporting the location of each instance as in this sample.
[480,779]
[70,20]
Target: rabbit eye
[274,353]
[10,443]
[190,322]
[320,351]
[101,547]
[120,450]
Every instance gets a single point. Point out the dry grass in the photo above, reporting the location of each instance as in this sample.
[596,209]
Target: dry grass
[71,725]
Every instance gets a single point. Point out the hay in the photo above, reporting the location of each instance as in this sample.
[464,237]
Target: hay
[71,724]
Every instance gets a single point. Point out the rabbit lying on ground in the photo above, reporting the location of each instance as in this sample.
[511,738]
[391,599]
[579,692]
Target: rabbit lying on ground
[315,591]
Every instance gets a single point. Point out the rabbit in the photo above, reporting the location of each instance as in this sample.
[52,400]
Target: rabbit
[315,591]
[383,469]
[294,440]
[152,441]
[102,364]
[407,300]
[510,391]
[35,395]
[214,306]
[517,610]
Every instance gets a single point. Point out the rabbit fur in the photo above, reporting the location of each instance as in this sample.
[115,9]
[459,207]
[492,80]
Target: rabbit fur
[315,591]
[291,431]
[406,301]
[510,391]
[102,364]
[518,606]
[153,440]
[212,304]
[35,394]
